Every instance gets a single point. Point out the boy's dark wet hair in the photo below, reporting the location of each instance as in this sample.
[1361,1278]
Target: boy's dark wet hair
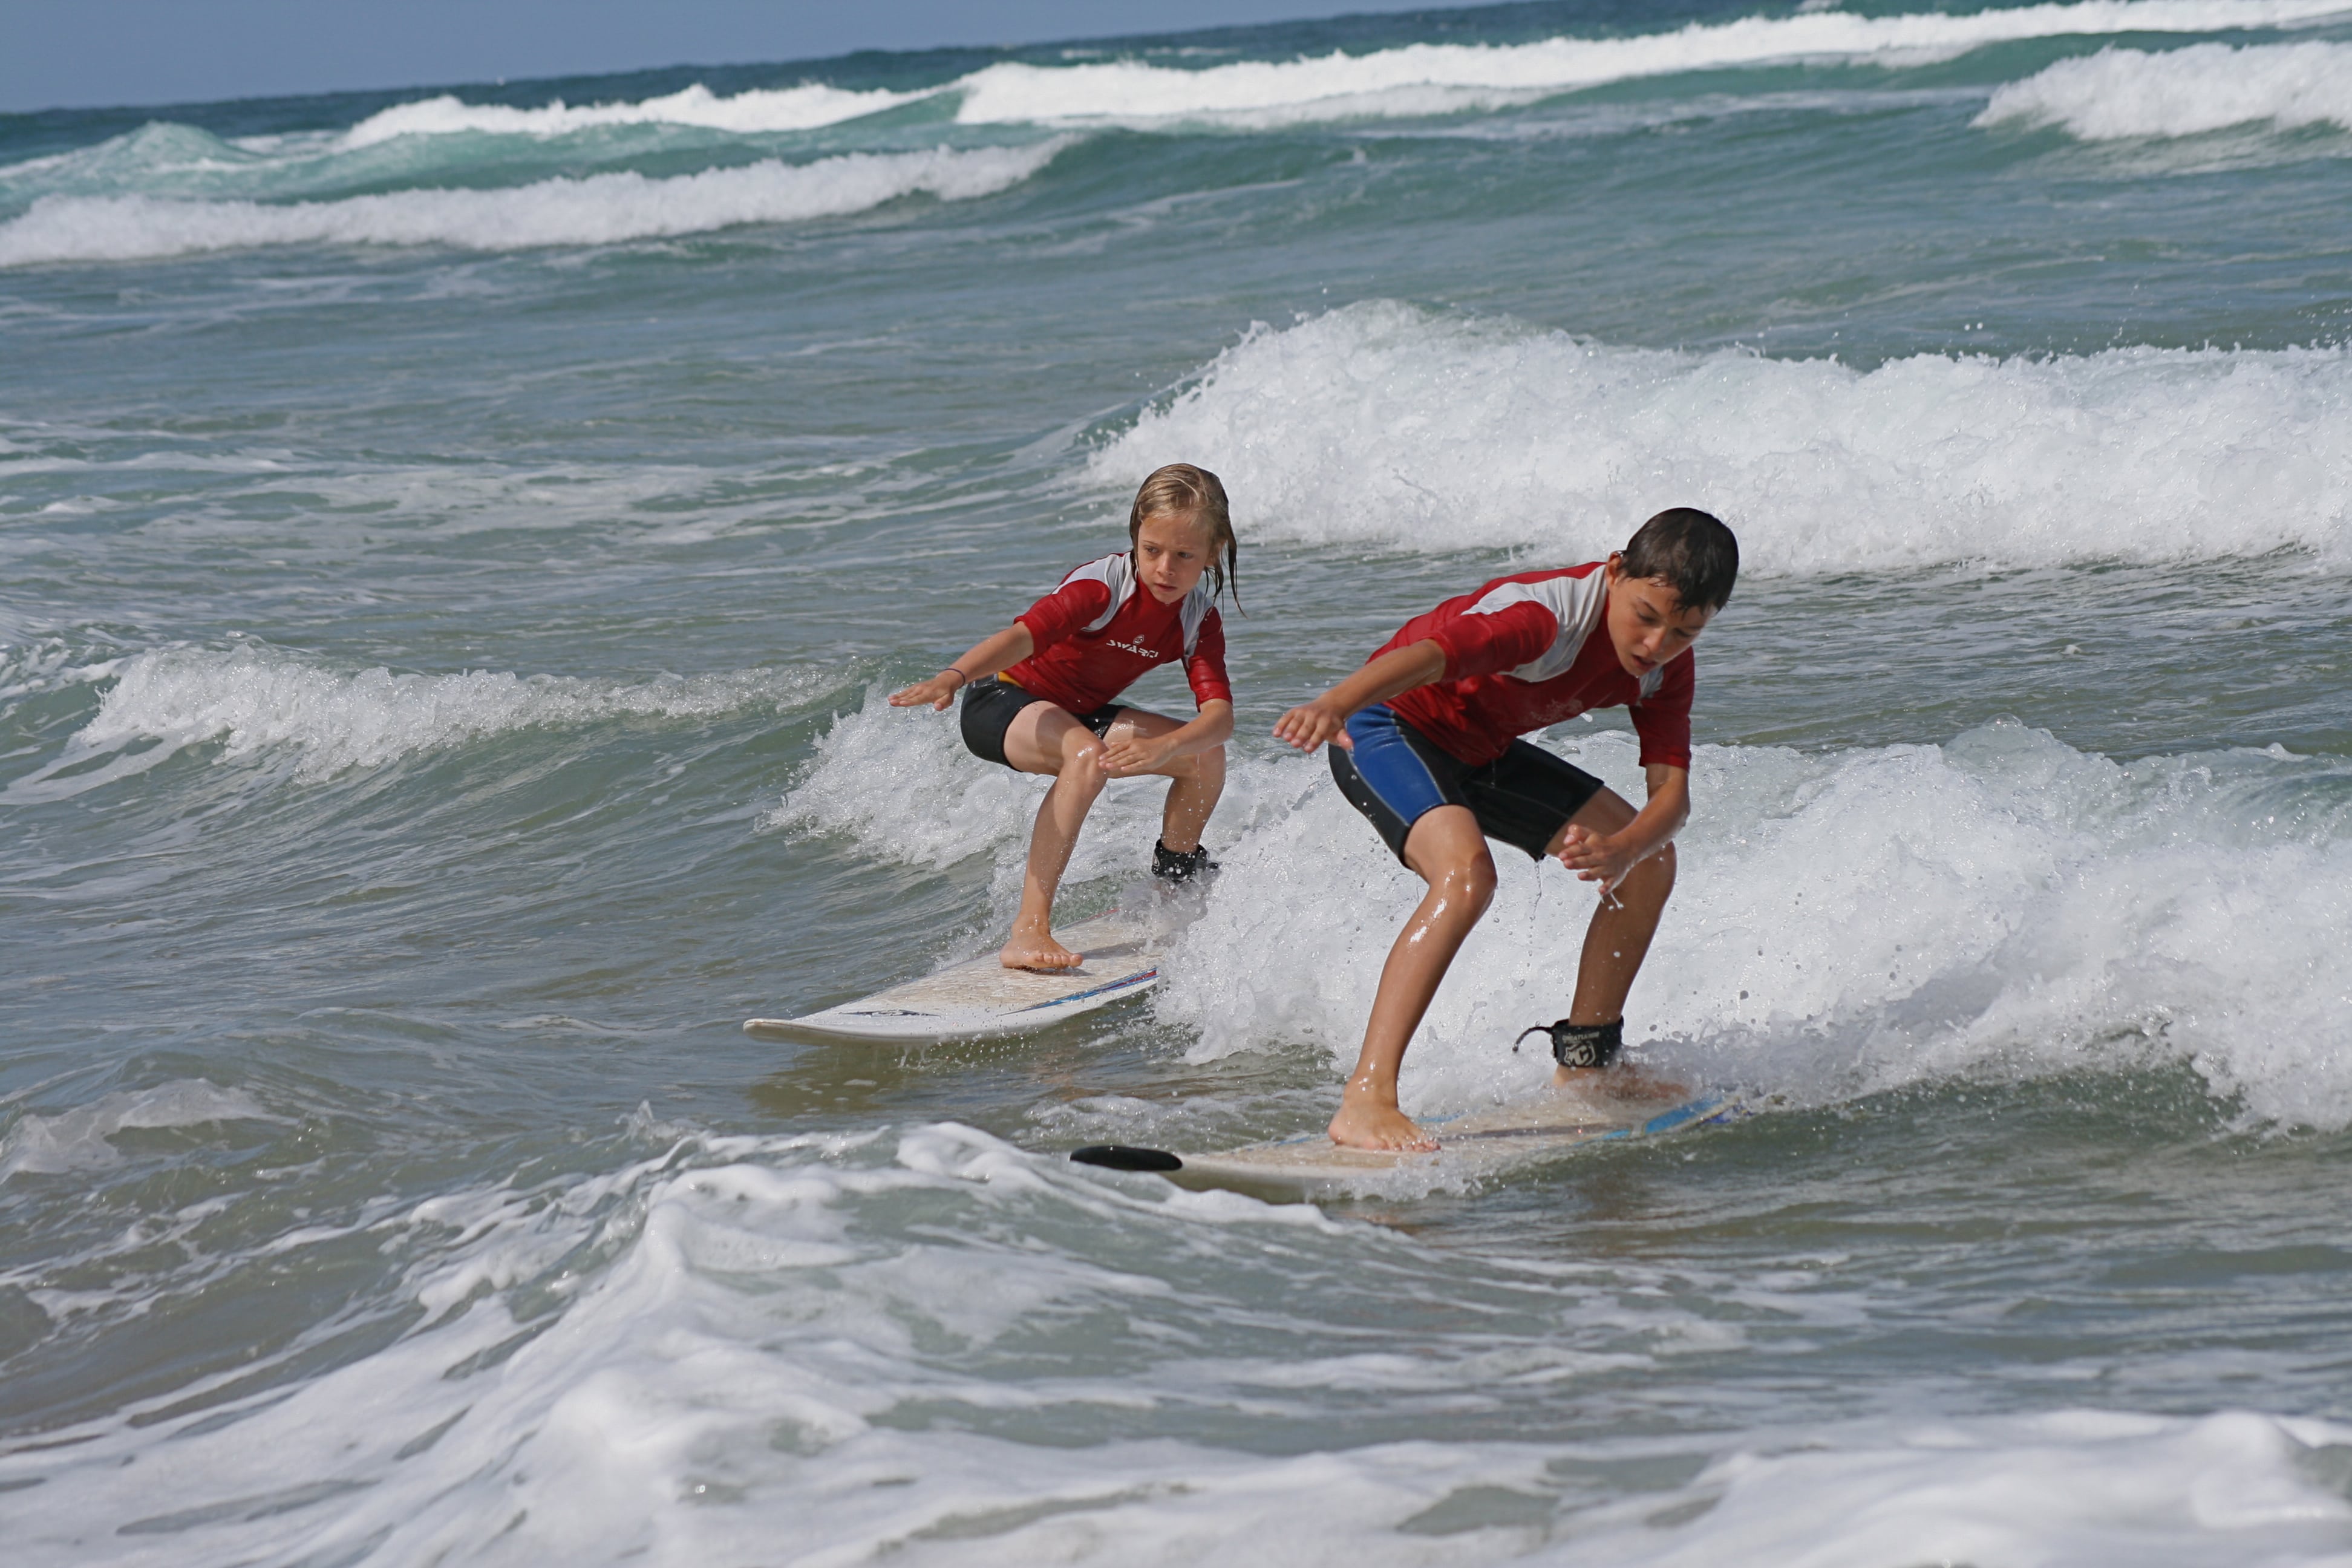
[1690,551]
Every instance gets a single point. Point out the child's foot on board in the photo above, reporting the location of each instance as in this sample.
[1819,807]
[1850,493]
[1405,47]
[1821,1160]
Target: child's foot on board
[1589,1065]
[1037,949]
[1181,865]
[1359,1125]
[1620,1082]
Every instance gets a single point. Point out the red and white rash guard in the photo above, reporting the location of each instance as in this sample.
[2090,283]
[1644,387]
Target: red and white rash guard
[1528,650]
[1101,630]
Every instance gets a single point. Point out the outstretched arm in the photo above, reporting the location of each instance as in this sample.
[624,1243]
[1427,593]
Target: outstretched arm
[1398,671]
[1606,857]
[986,656]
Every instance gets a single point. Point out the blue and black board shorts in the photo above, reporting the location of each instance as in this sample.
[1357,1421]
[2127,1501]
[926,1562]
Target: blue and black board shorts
[1396,776]
[990,705]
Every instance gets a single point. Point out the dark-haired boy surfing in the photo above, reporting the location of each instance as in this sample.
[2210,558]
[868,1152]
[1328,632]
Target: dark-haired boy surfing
[1425,743]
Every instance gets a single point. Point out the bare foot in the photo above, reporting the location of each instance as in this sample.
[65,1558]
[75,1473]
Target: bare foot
[1620,1082]
[1038,950]
[1362,1126]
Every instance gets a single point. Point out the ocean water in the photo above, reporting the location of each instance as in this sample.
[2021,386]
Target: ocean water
[452,546]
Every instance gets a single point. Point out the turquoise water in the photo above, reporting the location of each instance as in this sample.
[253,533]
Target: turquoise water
[452,547]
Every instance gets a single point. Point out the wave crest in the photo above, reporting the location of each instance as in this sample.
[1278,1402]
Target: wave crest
[1375,425]
[601,209]
[1424,78]
[2120,94]
[255,700]
[806,107]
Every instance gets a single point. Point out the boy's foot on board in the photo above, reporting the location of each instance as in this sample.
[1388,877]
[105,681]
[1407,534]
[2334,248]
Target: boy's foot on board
[1620,1082]
[1038,950]
[1378,1127]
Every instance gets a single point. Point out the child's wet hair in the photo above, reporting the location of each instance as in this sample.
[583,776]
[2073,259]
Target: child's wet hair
[1183,489]
[1690,551]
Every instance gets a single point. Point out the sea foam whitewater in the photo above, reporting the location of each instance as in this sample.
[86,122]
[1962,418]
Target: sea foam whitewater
[2118,94]
[1433,78]
[597,210]
[256,700]
[1379,425]
[459,543]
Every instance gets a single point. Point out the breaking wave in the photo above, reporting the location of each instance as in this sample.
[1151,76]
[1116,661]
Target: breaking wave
[2119,94]
[802,108]
[257,699]
[1424,78]
[1377,424]
[601,209]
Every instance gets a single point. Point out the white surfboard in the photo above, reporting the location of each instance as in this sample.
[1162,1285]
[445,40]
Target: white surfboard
[1476,1146]
[980,999]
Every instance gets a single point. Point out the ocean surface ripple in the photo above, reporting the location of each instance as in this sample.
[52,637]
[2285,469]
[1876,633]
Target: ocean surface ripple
[454,545]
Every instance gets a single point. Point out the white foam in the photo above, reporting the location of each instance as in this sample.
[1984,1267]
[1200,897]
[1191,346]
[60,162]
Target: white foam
[1845,925]
[1377,424]
[80,1139]
[805,106]
[1422,79]
[599,209]
[900,783]
[2000,905]
[2118,94]
[739,1340]
[2076,1486]
[255,700]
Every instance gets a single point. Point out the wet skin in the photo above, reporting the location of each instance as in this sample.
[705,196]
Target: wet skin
[1628,853]
[1172,552]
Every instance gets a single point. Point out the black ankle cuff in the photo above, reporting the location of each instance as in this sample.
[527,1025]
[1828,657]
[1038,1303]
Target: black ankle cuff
[1583,1045]
[1180,866]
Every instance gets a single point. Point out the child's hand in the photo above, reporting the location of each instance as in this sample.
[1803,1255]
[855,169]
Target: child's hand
[938,691]
[1133,754]
[1310,724]
[1597,857]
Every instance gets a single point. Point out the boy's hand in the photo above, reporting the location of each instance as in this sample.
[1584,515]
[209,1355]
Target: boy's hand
[1597,857]
[1310,724]
[938,691]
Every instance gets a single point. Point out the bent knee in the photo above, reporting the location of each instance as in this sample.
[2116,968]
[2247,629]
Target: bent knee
[1472,881]
[1658,870]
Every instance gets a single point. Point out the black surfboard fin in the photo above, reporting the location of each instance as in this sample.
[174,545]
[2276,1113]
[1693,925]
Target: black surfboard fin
[1126,1157]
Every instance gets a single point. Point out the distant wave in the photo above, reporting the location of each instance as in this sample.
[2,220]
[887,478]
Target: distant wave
[256,700]
[1420,78]
[1408,80]
[597,210]
[2118,94]
[1377,424]
[802,108]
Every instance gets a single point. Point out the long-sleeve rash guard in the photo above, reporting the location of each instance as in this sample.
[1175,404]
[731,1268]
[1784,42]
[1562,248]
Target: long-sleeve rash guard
[1101,630]
[1526,651]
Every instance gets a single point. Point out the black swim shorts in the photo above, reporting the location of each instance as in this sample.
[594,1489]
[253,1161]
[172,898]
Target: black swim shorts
[990,705]
[1396,774]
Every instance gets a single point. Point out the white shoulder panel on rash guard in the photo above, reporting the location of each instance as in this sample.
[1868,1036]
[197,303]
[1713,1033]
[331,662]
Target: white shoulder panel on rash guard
[1574,602]
[1116,573]
[1197,606]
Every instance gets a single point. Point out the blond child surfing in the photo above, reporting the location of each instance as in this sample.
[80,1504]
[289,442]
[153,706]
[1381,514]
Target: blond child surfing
[1040,697]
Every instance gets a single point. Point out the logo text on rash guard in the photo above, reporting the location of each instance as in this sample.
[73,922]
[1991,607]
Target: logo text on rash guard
[1136,648]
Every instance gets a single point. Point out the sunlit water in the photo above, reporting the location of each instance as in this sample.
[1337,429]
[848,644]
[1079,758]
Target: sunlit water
[452,549]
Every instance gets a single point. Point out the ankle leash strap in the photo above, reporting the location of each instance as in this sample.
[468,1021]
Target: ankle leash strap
[1580,1045]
